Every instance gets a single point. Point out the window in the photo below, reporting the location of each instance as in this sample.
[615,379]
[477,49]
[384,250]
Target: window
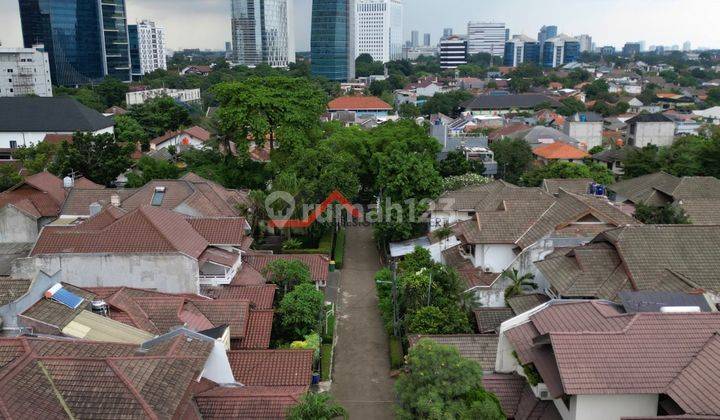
[13,144]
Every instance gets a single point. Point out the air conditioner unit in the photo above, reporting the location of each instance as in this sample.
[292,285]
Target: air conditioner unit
[487,270]
[542,392]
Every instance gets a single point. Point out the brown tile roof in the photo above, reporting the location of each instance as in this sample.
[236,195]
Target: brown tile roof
[260,296]
[480,348]
[489,319]
[39,195]
[79,199]
[644,189]
[690,389]
[358,103]
[473,277]
[507,130]
[318,264]
[272,367]
[248,402]
[12,289]
[259,330]
[575,186]
[524,303]
[248,276]
[559,150]
[702,211]
[221,231]
[58,138]
[507,388]
[56,314]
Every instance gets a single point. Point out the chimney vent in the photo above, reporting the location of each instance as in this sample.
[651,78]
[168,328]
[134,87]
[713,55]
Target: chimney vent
[95,208]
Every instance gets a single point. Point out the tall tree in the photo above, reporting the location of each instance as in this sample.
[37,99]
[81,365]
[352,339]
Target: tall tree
[300,311]
[513,157]
[160,115]
[99,158]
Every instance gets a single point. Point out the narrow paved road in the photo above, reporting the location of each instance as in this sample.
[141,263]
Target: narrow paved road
[361,381]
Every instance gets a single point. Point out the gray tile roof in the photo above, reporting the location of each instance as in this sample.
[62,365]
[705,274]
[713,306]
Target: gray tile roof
[575,186]
[9,252]
[612,155]
[525,101]
[60,114]
[524,303]
[481,348]
[653,301]
[489,319]
[649,118]
[539,135]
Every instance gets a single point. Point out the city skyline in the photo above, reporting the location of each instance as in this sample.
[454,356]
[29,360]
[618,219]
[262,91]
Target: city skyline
[521,17]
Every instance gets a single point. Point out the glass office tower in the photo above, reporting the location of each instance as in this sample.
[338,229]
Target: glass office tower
[134,42]
[332,43]
[262,32]
[86,40]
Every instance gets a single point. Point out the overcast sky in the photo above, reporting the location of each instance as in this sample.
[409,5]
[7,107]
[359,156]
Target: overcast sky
[206,23]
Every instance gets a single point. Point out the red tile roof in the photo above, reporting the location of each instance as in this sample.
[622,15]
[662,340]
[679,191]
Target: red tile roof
[248,276]
[507,130]
[222,230]
[272,367]
[259,330]
[248,402]
[260,296]
[58,138]
[559,150]
[39,195]
[195,131]
[318,264]
[358,103]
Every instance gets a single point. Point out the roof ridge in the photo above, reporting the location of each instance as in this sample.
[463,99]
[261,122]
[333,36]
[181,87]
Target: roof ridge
[128,383]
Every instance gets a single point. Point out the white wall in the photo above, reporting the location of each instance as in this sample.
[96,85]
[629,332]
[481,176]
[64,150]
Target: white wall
[610,407]
[496,257]
[30,138]
[170,273]
[659,134]
[178,140]
[589,133]
[16,226]
[439,219]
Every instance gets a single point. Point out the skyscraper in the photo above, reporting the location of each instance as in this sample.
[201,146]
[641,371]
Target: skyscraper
[521,49]
[687,46]
[147,47]
[447,32]
[426,40]
[86,40]
[414,38]
[585,42]
[379,29]
[631,49]
[262,32]
[332,39]
[547,32]
[560,50]
[453,52]
[486,37]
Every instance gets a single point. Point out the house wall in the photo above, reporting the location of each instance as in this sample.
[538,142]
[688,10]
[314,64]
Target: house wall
[496,257]
[170,273]
[9,313]
[178,140]
[30,138]
[608,407]
[493,296]
[589,133]
[659,134]
[16,226]
[439,219]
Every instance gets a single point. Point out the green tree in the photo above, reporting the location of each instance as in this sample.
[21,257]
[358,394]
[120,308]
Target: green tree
[313,406]
[35,158]
[518,283]
[571,106]
[365,66]
[566,170]
[513,157]
[149,169]
[415,261]
[434,320]
[409,110]
[99,158]
[440,384]
[643,161]
[112,91]
[9,177]
[446,103]
[713,96]
[455,183]
[262,107]
[287,274]
[128,130]
[160,115]
[668,214]
[597,89]
[519,85]
[300,311]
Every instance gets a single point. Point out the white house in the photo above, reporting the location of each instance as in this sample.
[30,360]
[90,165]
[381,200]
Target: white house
[27,120]
[586,127]
[711,114]
[645,129]
[25,71]
[195,137]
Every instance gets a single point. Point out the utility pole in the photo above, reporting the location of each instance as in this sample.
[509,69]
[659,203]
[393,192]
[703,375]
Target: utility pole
[396,328]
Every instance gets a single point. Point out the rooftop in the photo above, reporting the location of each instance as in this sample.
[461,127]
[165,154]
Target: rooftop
[272,367]
[524,101]
[358,103]
[481,348]
[559,150]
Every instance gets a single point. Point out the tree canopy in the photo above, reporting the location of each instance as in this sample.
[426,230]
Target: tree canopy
[567,170]
[99,158]
[513,157]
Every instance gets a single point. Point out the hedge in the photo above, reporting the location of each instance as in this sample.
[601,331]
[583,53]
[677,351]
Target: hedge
[328,337]
[397,357]
[324,246]
[340,249]
[325,361]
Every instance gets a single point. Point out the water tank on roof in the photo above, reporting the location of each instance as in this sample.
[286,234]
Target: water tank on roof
[68,182]
[583,118]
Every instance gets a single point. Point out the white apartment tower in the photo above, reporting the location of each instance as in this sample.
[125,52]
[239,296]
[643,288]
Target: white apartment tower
[151,40]
[453,52]
[25,71]
[486,37]
[379,29]
[585,42]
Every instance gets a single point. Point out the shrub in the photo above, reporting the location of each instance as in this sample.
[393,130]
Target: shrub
[339,253]
[325,361]
[397,357]
[329,330]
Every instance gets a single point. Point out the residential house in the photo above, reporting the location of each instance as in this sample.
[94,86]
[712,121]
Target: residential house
[641,258]
[586,127]
[575,186]
[646,129]
[504,104]
[196,70]
[558,152]
[635,105]
[26,120]
[33,203]
[685,124]
[541,136]
[195,137]
[711,115]
[148,247]
[359,105]
[186,96]
[698,197]
[593,360]
[507,130]
[613,159]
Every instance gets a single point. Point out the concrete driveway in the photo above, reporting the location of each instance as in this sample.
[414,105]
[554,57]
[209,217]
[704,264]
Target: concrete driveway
[361,380]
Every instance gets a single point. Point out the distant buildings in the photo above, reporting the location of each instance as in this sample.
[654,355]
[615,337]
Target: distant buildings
[560,50]
[379,29]
[447,32]
[646,129]
[180,95]
[486,37]
[521,49]
[332,39]
[147,47]
[687,46]
[585,42]
[426,40]
[25,71]
[262,32]
[631,49]
[86,40]
[607,50]
[414,38]
[453,52]
[547,32]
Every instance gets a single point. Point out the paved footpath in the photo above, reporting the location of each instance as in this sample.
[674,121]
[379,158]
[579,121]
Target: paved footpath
[361,380]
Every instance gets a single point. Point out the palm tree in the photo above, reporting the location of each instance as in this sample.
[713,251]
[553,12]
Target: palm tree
[519,284]
[316,407]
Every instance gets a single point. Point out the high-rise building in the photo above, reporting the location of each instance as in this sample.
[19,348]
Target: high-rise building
[228,46]
[147,47]
[332,39]
[426,40]
[486,37]
[585,42]
[379,29]
[453,52]
[547,32]
[631,49]
[607,50]
[447,32]
[521,49]
[25,71]
[560,50]
[262,32]
[86,40]
[687,46]
[415,38]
